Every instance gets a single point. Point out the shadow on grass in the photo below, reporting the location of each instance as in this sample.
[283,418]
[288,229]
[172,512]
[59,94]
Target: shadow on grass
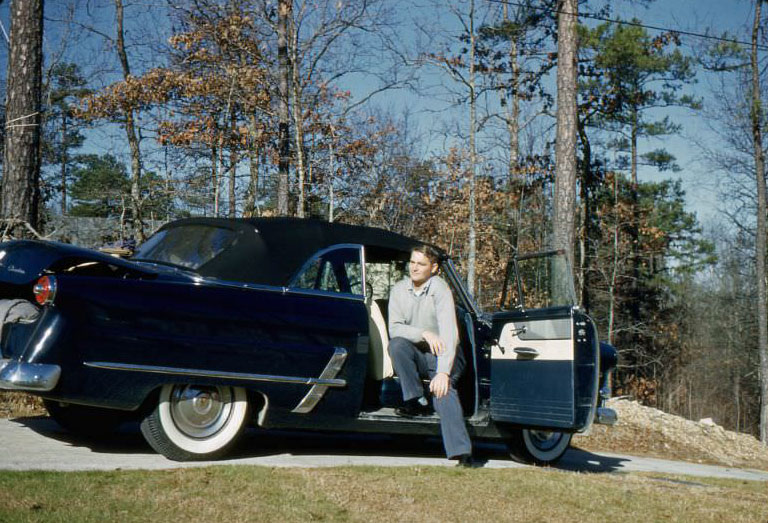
[257,443]
[577,460]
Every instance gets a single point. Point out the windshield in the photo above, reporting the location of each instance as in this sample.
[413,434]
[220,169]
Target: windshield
[189,246]
[545,280]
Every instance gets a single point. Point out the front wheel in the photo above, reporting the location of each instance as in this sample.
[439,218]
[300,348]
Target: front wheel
[194,422]
[539,447]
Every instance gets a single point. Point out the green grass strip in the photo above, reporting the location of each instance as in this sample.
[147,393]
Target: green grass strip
[248,493]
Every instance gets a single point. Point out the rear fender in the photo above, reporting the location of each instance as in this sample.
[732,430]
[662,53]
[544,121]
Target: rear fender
[22,262]
[47,337]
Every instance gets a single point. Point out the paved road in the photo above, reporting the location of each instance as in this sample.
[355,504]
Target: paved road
[39,444]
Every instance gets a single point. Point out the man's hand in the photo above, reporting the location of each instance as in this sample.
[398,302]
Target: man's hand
[436,345]
[439,385]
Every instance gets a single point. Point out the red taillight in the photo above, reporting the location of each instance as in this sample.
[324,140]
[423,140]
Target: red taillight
[45,290]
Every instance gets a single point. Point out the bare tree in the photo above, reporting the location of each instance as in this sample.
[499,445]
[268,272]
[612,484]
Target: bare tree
[20,191]
[284,16]
[328,41]
[472,240]
[756,111]
[131,132]
[463,71]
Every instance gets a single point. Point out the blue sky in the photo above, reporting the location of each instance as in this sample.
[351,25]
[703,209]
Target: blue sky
[695,16]
[698,16]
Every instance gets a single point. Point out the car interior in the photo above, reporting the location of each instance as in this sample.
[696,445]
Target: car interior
[338,270]
[384,268]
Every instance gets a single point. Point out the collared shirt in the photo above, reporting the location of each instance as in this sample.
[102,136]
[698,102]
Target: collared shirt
[431,308]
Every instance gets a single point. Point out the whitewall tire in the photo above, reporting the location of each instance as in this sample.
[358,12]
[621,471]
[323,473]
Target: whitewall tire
[538,447]
[194,422]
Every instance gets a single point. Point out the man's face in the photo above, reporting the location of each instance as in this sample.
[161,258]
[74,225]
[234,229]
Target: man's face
[421,268]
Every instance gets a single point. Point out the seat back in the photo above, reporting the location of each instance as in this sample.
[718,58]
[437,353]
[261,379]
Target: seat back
[379,362]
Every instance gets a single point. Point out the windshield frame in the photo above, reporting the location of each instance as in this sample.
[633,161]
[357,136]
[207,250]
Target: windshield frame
[566,281]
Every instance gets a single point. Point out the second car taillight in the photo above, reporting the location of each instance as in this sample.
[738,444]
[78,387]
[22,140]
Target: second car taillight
[45,290]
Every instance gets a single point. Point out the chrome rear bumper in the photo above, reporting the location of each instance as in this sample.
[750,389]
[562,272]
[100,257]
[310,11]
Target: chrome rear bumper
[16,375]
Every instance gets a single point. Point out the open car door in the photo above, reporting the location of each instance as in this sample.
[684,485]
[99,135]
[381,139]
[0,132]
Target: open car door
[544,366]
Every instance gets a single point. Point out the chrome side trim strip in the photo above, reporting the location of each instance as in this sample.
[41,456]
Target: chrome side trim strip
[176,371]
[16,375]
[317,391]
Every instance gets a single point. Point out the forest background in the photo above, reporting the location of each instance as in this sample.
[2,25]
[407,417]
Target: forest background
[437,120]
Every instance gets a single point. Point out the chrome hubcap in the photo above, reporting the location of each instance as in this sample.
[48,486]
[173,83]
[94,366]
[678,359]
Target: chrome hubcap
[545,440]
[200,412]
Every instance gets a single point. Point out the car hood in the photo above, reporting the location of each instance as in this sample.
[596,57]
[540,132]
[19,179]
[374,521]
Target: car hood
[23,261]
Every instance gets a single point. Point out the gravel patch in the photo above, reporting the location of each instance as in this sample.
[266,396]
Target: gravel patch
[647,431]
[20,404]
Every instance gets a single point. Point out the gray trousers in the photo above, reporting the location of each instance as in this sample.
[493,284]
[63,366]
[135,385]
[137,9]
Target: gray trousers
[411,364]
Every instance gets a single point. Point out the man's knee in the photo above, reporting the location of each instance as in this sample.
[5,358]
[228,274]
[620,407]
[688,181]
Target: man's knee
[400,346]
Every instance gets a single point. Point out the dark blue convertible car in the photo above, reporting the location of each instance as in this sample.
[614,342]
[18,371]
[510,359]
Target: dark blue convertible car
[216,324]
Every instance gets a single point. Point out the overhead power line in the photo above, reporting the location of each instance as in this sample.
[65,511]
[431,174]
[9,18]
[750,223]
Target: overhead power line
[635,24]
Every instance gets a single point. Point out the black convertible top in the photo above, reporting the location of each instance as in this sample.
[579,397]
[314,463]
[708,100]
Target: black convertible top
[271,250]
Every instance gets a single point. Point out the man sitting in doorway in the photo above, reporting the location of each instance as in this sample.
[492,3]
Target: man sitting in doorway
[423,340]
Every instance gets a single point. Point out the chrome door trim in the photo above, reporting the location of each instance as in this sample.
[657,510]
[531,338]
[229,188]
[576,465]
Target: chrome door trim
[201,373]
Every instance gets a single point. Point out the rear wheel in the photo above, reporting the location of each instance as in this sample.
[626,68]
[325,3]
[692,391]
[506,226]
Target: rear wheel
[539,447]
[84,420]
[194,422]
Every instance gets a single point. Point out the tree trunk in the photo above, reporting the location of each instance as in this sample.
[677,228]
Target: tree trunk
[215,178]
[565,147]
[615,264]
[254,149]
[512,108]
[298,122]
[585,254]
[249,206]
[760,238]
[20,190]
[233,161]
[472,247]
[634,297]
[331,173]
[130,132]
[284,13]
[64,162]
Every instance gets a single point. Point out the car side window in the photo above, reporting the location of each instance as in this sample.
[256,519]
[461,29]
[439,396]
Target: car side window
[381,276]
[334,270]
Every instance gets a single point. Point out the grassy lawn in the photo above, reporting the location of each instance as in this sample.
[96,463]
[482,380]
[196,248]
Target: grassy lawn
[246,493]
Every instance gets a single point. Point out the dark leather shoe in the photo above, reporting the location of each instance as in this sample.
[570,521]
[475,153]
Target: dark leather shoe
[467,461]
[413,409]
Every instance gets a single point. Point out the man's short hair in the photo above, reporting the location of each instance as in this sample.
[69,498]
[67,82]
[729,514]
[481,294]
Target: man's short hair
[427,250]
